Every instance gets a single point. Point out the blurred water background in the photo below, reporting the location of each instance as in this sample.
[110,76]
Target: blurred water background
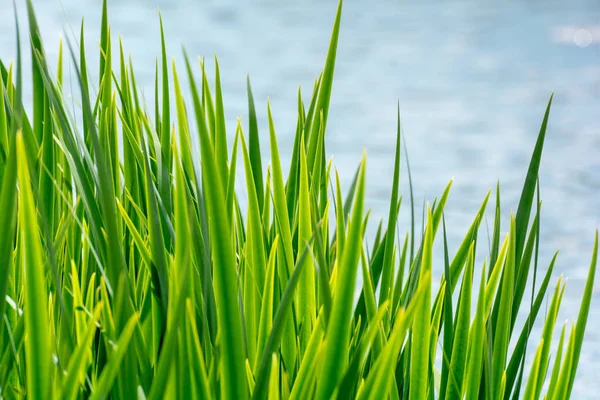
[472,80]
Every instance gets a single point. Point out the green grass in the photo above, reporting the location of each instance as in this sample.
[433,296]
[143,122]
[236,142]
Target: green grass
[129,269]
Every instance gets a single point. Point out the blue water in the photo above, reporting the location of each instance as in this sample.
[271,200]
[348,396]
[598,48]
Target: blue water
[472,80]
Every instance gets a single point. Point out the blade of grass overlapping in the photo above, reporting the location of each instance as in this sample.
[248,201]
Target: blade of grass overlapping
[279,321]
[220,142]
[338,330]
[496,235]
[317,123]
[78,363]
[556,366]
[165,128]
[254,146]
[37,347]
[111,369]
[502,331]
[526,200]
[255,257]
[582,318]
[281,216]
[200,386]
[106,190]
[419,361]
[379,381]
[534,374]
[291,185]
[352,372]
[562,384]
[519,350]
[266,311]
[226,287]
[547,338]
[476,344]
[387,274]
[461,332]
[448,319]
[306,372]
[8,203]
[306,290]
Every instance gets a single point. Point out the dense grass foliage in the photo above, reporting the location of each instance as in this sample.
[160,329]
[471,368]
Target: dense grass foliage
[128,268]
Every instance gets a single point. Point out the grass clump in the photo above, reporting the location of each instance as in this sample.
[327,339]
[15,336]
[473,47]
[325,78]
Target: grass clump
[129,269]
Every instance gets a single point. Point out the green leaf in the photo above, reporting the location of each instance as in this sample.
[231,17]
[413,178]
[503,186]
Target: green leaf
[387,275]
[81,358]
[111,369]
[254,145]
[534,374]
[502,331]
[279,321]
[226,288]
[476,344]
[584,311]
[419,360]
[266,311]
[317,123]
[37,345]
[526,201]
[461,332]
[338,329]
[306,295]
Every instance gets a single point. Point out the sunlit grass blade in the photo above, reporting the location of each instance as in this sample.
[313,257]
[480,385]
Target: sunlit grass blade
[561,389]
[37,345]
[519,350]
[200,386]
[584,311]
[266,311]
[306,290]
[502,333]
[279,321]
[387,275]
[534,374]
[226,287]
[281,216]
[317,123]
[419,362]
[254,146]
[338,329]
[8,203]
[461,333]
[476,344]
[557,360]
[220,142]
[526,201]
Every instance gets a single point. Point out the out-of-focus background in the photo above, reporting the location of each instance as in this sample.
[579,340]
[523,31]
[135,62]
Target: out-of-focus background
[472,80]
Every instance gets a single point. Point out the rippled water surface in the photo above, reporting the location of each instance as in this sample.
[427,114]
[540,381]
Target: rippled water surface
[472,80]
